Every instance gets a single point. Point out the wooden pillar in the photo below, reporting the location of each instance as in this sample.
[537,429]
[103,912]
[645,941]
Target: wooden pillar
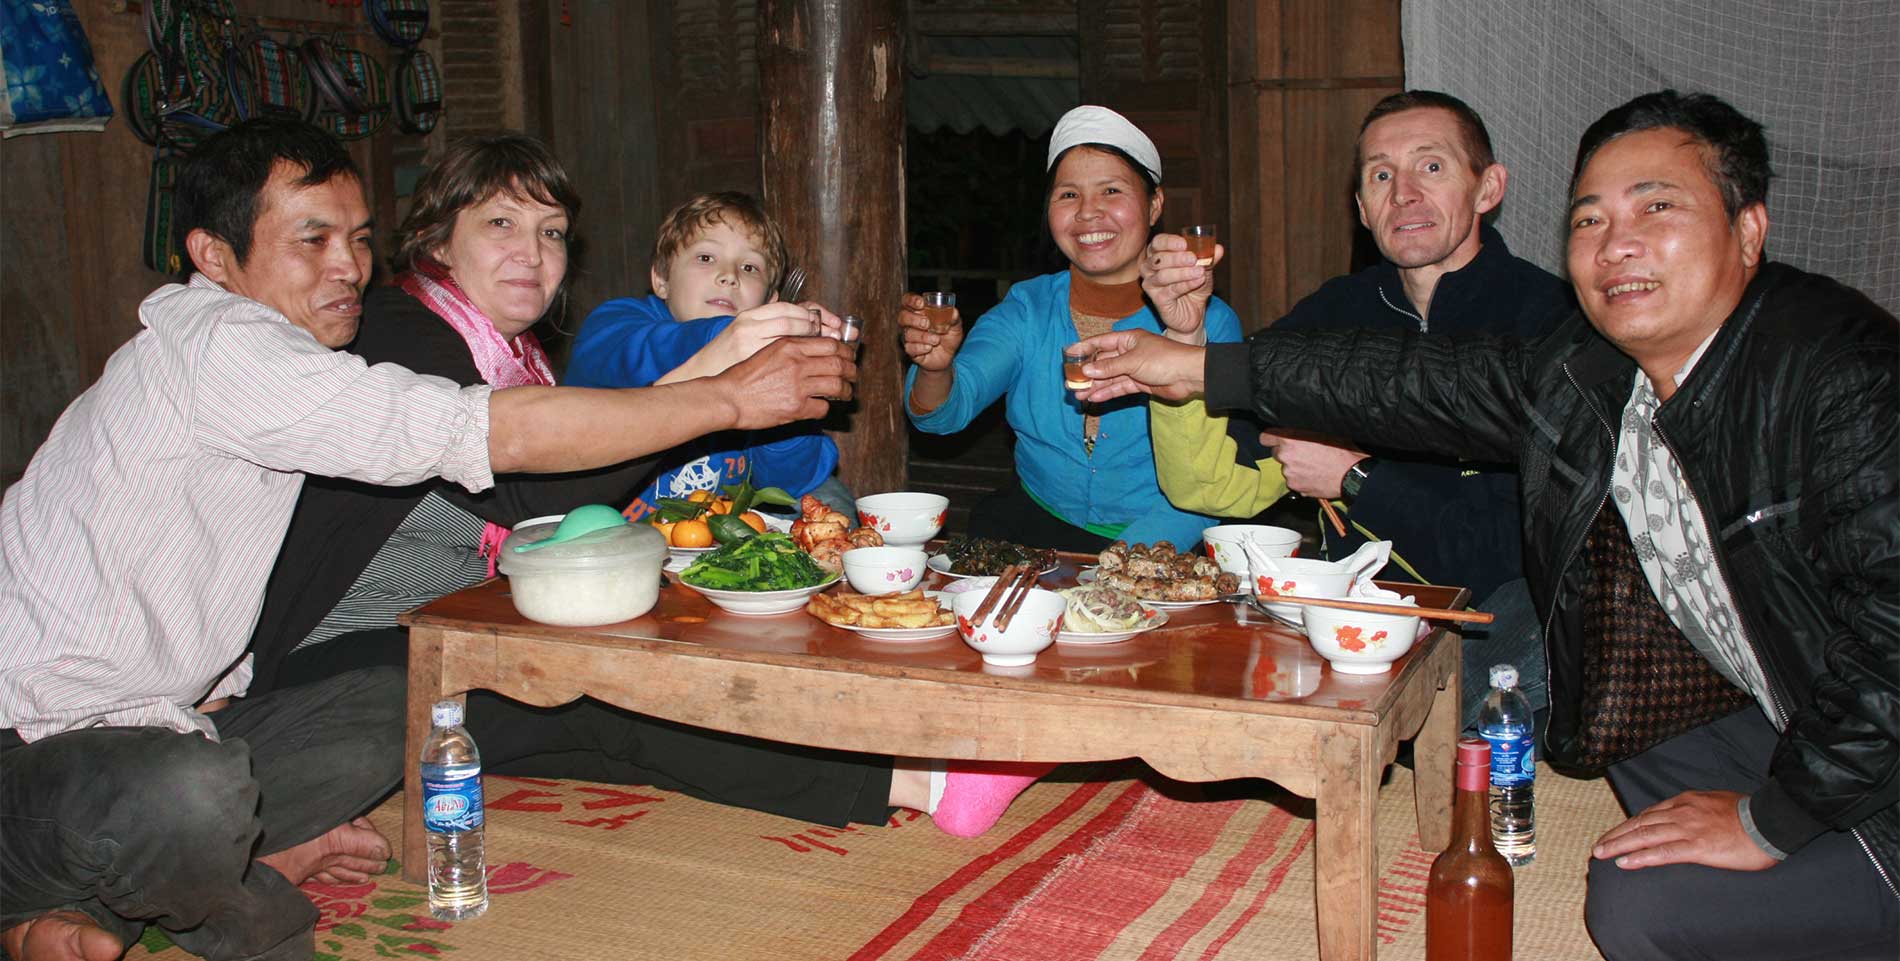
[831,108]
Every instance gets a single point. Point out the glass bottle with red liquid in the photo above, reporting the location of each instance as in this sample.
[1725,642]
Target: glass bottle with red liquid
[1468,899]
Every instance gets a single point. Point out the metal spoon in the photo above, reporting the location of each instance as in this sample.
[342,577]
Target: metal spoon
[1259,608]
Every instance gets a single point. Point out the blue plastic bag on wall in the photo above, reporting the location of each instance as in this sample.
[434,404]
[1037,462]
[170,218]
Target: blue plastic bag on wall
[51,83]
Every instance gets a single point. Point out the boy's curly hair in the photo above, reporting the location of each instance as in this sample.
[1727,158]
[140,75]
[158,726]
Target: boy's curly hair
[741,210]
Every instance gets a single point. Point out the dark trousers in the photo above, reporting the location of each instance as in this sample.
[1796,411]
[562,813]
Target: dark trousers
[137,826]
[1010,514]
[595,741]
[1825,901]
[1514,637]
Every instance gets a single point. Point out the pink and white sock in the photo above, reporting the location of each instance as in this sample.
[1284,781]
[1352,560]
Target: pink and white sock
[968,797]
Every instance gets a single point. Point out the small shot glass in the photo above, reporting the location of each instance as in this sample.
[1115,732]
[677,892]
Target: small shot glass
[940,308]
[850,329]
[1200,243]
[1074,357]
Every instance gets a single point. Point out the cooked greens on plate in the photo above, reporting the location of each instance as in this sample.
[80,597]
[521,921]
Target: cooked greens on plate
[766,562]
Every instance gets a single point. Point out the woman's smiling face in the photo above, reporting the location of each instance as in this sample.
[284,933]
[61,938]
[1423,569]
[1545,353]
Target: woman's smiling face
[509,255]
[1100,214]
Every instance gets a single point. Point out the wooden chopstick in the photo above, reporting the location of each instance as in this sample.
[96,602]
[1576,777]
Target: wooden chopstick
[1003,583]
[1370,607]
[1333,515]
[1027,582]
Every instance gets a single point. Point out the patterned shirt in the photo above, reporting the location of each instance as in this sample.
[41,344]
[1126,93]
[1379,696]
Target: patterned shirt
[134,551]
[1672,543]
[433,552]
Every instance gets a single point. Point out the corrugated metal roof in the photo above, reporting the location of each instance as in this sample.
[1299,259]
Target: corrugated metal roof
[964,95]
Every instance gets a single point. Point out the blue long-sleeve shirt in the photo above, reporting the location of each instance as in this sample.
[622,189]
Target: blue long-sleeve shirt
[1013,351]
[632,342]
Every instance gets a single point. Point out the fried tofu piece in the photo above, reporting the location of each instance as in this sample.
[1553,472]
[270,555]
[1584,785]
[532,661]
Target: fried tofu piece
[910,609]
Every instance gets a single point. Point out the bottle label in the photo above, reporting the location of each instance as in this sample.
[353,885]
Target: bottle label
[1513,756]
[451,804]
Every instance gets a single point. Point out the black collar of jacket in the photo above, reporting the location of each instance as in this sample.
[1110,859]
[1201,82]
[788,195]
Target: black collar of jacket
[1708,372]
[1469,286]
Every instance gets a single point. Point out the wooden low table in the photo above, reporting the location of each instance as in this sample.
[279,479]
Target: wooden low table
[1218,692]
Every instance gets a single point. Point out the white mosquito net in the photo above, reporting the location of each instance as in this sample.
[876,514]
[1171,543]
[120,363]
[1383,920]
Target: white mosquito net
[1823,76]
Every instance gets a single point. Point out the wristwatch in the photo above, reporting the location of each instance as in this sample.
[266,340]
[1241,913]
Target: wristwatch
[1356,477]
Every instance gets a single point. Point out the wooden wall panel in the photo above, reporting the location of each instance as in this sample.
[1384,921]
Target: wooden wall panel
[71,243]
[474,54]
[1160,63]
[706,84]
[1305,77]
[603,127]
[39,362]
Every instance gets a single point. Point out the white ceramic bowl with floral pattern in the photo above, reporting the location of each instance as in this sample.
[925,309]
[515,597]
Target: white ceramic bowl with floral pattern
[1356,642]
[1299,577]
[904,518]
[1031,630]
[884,570]
[1223,545]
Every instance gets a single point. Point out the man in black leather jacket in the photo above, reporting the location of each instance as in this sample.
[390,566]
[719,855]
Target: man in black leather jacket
[1741,419]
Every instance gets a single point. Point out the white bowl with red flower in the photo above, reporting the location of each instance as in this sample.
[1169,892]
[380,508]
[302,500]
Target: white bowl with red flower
[1031,629]
[1300,577]
[1360,642]
[885,570]
[904,518]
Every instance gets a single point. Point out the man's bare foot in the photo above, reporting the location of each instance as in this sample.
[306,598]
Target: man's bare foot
[348,854]
[60,936]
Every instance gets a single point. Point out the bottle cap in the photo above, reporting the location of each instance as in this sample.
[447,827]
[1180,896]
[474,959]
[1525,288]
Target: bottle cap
[1474,764]
[1474,752]
[446,713]
[1503,676]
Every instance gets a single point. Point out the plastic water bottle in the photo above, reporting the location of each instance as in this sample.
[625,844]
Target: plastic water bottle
[452,813]
[1506,723]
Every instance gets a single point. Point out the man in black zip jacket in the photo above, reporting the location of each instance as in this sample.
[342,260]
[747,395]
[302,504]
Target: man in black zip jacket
[1425,177]
[1722,430]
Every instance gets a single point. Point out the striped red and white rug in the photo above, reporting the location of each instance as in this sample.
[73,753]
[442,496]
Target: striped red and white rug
[1100,863]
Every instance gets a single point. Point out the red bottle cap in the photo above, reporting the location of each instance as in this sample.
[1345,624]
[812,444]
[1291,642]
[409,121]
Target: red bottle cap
[1474,764]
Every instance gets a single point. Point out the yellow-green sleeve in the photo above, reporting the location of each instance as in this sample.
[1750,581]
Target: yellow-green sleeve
[1194,461]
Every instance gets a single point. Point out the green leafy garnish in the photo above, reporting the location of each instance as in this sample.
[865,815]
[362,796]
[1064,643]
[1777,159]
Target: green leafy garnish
[776,496]
[766,562]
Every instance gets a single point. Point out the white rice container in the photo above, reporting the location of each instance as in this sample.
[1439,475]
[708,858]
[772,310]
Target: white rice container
[603,577]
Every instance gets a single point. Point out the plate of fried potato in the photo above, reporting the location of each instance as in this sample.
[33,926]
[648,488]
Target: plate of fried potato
[910,616]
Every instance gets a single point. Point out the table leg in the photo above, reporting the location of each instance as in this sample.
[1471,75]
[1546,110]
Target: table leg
[1345,859]
[1434,754]
[425,688]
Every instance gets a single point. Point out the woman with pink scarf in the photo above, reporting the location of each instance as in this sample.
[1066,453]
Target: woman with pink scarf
[480,258]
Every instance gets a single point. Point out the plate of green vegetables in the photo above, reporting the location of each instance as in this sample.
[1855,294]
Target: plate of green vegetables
[766,574]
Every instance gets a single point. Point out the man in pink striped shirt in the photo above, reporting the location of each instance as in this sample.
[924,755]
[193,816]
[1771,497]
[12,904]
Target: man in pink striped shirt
[138,784]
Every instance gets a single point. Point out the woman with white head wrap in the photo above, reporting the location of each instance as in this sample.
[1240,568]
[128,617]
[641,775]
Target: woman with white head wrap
[1086,476]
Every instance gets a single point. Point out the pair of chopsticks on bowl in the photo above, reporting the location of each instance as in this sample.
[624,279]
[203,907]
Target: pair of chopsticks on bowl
[1373,607]
[1012,588]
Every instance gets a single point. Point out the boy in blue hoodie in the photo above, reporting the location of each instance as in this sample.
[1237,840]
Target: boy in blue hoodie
[716,267]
